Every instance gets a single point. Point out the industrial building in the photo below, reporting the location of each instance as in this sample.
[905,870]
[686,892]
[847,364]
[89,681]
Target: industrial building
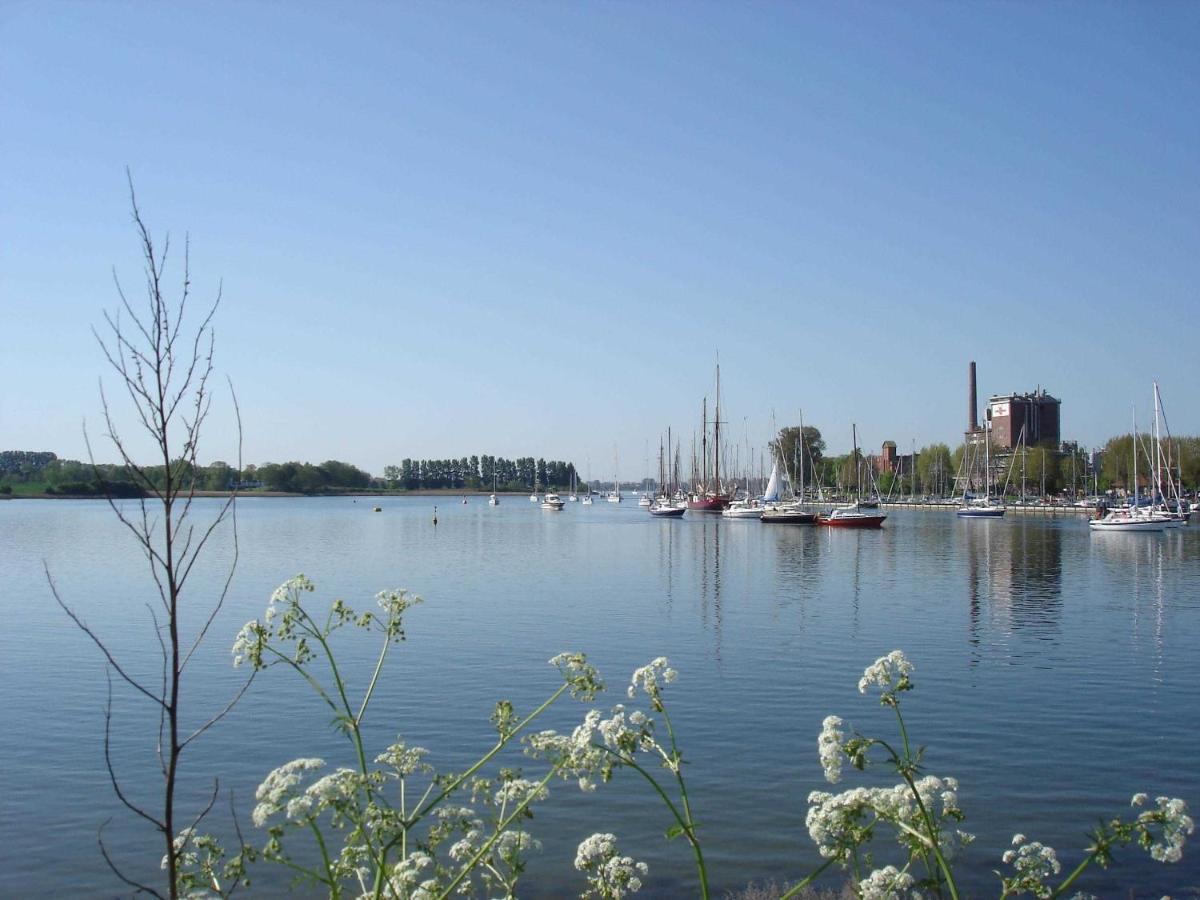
[1037,415]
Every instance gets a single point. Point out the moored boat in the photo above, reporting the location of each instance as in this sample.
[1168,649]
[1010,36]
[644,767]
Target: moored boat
[788,514]
[851,516]
[663,508]
[553,501]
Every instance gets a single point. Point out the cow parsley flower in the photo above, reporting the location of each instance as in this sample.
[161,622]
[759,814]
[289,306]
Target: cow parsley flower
[884,884]
[277,788]
[1033,863]
[609,874]
[829,747]
[519,790]
[404,759]
[1172,816]
[890,673]
[651,679]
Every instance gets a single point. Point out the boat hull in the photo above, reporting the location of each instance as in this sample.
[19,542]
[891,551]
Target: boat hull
[789,517]
[667,512]
[968,513]
[708,504]
[1101,526]
[851,521]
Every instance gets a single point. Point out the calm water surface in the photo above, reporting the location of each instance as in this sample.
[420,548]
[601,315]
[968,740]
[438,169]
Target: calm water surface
[1057,670]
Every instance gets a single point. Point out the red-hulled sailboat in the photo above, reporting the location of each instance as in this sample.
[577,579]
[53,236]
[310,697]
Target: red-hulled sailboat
[855,515]
[709,497]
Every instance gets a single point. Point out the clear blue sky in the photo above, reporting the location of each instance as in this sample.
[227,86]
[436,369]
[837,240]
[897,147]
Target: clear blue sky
[446,229]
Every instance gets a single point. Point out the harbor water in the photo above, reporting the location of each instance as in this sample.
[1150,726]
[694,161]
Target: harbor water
[1056,672]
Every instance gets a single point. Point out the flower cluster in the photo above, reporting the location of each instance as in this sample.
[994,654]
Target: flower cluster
[889,673]
[1171,816]
[1034,863]
[829,748]
[839,823]
[609,874]
[285,621]
[579,674]
[651,679]
[883,884]
[278,789]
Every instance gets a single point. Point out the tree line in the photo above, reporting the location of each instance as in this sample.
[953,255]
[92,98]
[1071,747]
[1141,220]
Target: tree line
[45,472]
[480,472]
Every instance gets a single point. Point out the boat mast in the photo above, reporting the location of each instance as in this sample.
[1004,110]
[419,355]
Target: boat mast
[704,443]
[854,441]
[717,438]
[1134,443]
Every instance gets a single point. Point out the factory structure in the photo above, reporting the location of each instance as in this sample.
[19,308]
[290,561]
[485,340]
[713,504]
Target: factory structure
[1034,419]
[1013,420]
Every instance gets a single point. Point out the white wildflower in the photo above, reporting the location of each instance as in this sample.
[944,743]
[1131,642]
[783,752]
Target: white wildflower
[276,789]
[651,678]
[1034,863]
[608,873]
[520,790]
[1139,799]
[888,672]
[1172,815]
[404,759]
[884,884]
[829,747]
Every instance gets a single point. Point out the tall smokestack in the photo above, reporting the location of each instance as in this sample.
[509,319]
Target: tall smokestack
[973,415]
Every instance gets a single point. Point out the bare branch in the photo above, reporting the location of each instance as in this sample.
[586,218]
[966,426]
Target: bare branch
[83,626]
[219,716]
[112,773]
[136,885]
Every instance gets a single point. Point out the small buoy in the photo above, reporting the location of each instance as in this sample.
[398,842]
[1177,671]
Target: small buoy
[435,515]
[377,509]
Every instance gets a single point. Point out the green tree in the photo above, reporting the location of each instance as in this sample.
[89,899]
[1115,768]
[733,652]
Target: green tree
[787,445]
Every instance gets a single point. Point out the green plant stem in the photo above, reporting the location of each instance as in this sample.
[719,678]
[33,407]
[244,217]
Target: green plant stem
[1070,879]
[797,888]
[313,683]
[334,888]
[504,823]
[362,710]
[937,852]
[684,823]
[355,734]
[424,808]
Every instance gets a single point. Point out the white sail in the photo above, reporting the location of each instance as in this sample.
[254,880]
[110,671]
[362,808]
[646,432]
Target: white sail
[772,493]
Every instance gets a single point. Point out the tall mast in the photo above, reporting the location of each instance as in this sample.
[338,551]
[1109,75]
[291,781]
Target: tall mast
[1136,502]
[800,474]
[704,443]
[1157,468]
[717,438]
[854,456]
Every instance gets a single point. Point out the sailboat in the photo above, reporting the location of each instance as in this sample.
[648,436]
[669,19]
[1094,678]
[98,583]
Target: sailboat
[852,516]
[587,498]
[1134,518]
[572,496]
[982,507]
[790,512]
[709,498]
[493,499]
[1176,517]
[614,496]
[664,507]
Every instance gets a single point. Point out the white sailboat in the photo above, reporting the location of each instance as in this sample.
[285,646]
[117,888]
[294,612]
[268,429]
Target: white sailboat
[493,499]
[614,496]
[1133,518]
[982,507]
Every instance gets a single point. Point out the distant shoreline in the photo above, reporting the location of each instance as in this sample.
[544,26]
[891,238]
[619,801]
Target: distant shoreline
[431,492]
